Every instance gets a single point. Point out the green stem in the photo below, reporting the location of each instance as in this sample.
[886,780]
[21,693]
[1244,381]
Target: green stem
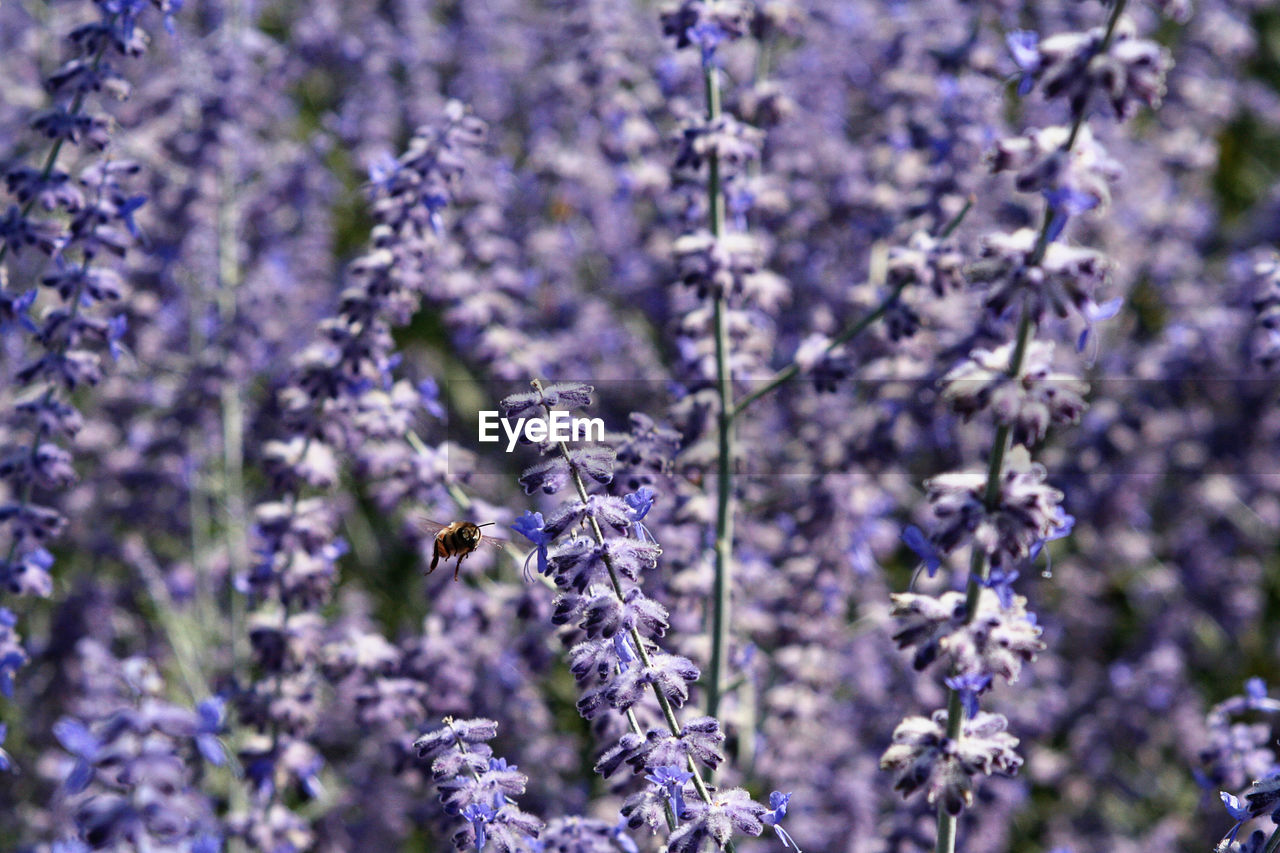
[178,629]
[1116,11]
[950,227]
[234,506]
[789,372]
[232,490]
[722,587]
[849,333]
[979,568]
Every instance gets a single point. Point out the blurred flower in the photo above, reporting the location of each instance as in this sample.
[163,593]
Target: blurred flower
[926,757]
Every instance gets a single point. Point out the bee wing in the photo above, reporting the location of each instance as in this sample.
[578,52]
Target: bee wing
[496,544]
[419,521]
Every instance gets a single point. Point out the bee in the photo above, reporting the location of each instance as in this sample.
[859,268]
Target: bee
[458,539]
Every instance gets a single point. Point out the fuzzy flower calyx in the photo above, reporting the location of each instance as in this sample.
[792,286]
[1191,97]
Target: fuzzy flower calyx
[1029,402]
[1025,510]
[925,758]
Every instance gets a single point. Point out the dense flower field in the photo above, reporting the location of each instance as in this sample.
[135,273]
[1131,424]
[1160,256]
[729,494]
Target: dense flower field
[869,410]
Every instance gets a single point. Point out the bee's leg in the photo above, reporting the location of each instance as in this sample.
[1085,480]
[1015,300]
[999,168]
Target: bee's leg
[435,558]
[457,566]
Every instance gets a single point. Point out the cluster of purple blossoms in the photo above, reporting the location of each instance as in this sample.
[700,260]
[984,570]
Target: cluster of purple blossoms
[342,400]
[1005,512]
[1266,271]
[477,787]
[1241,752]
[65,226]
[133,759]
[688,230]
[597,557]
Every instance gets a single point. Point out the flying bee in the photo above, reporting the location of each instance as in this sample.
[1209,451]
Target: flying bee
[458,539]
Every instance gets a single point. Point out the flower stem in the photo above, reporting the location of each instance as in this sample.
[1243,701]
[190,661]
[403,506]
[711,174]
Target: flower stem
[234,508]
[850,332]
[668,712]
[722,587]
[791,370]
[978,563]
[51,159]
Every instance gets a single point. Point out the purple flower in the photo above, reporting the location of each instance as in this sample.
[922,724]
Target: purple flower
[429,395]
[210,712]
[126,209]
[1066,202]
[384,168]
[728,812]
[926,757]
[690,21]
[12,655]
[605,616]
[29,574]
[913,537]
[706,36]
[1063,523]
[530,526]
[15,311]
[618,833]
[970,686]
[1242,814]
[76,739]
[476,786]
[670,674]
[778,802]
[480,815]
[1000,581]
[116,328]
[6,760]
[700,739]
[639,503]
[565,395]
[1095,314]
[623,649]
[1022,46]
[671,780]
[996,640]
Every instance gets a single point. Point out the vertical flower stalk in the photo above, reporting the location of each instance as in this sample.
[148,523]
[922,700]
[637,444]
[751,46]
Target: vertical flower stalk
[135,759]
[719,142]
[1242,754]
[620,661]
[477,787]
[1006,514]
[341,392]
[721,612]
[79,224]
